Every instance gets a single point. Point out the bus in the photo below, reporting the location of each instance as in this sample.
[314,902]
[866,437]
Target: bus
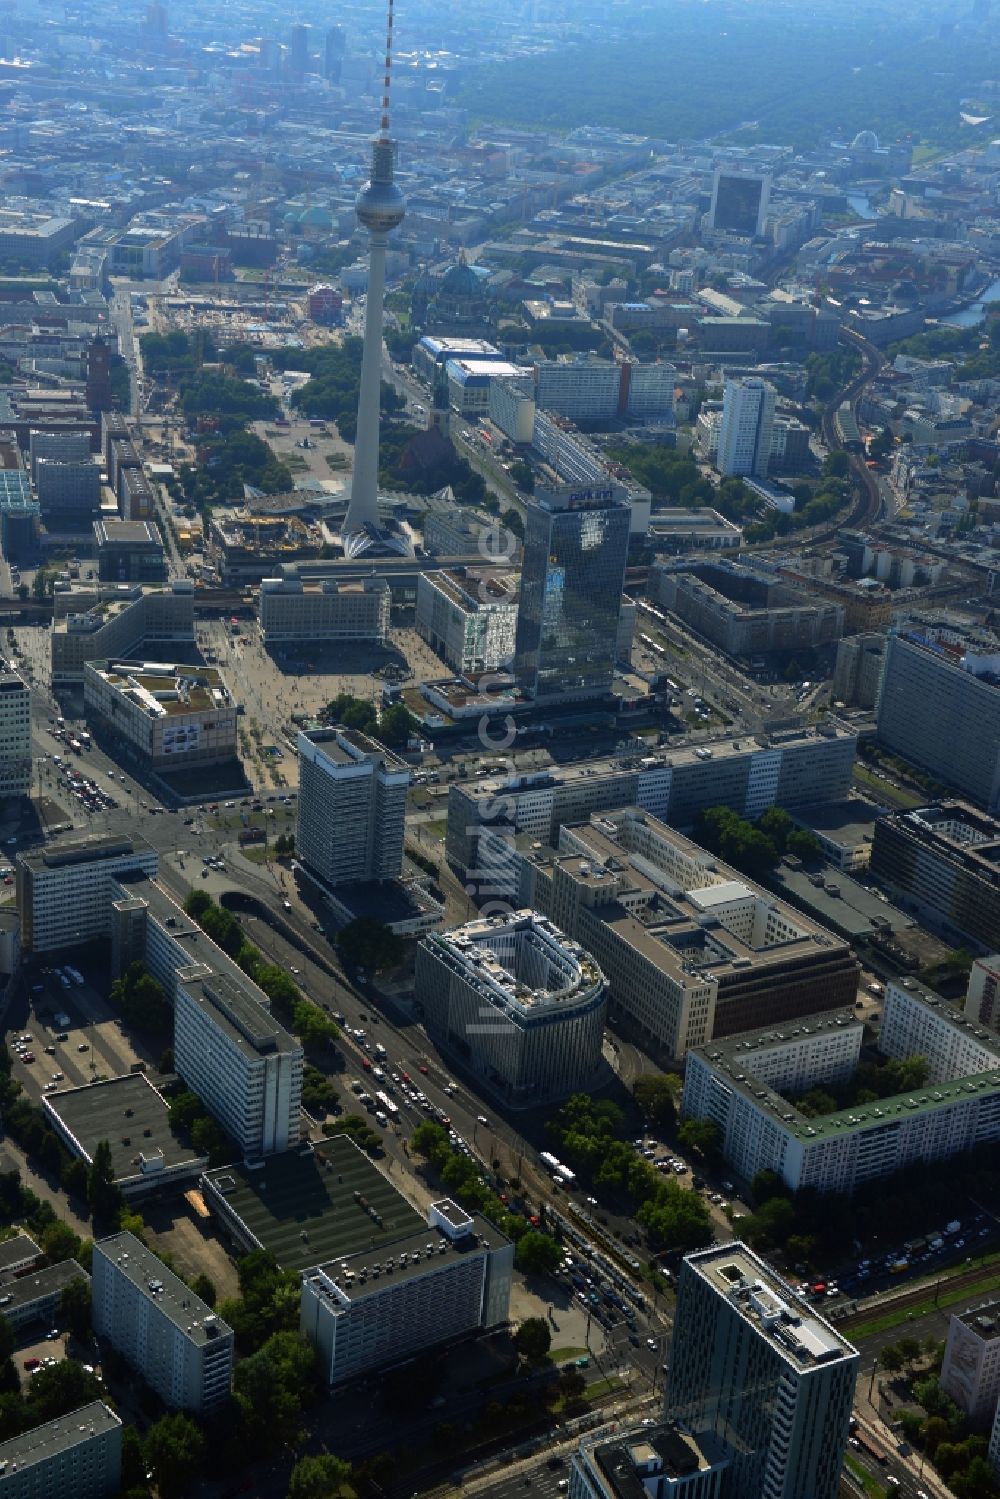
[76,746]
[84,738]
[390,1108]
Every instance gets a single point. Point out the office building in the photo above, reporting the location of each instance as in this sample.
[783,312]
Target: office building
[133,1117]
[129,551]
[172,717]
[352,807]
[746,427]
[651,1461]
[443,1281]
[690,948]
[18,1255]
[57,447]
[586,388]
[134,493]
[79,1454]
[793,768]
[298,51]
[942,862]
[381,1280]
[94,624]
[739,202]
[64,890]
[15,733]
[172,1338]
[939,707]
[584,468]
[242,1064]
[290,612]
[744,1084]
[575,550]
[857,675]
[335,46]
[469,618]
[74,487]
[512,408]
[993,1453]
[519,1003]
[755,1366]
[702,530]
[982,997]
[747,613]
[970,1372]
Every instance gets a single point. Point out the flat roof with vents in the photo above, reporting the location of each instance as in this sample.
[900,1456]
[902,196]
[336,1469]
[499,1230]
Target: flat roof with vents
[146,1271]
[43,1442]
[314,1204]
[128,1112]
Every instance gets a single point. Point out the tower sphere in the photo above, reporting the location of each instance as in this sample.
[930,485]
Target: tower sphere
[380,207]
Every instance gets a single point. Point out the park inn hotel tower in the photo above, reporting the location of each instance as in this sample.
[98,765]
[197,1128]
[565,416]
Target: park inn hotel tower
[754,1368]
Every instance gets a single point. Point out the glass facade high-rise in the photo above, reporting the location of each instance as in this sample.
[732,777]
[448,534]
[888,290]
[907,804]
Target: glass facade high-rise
[575,550]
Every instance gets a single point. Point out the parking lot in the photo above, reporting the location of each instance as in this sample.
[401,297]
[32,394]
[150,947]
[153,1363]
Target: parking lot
[94,1046]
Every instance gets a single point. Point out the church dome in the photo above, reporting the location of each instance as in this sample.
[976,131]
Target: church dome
[865,140]
[461,281]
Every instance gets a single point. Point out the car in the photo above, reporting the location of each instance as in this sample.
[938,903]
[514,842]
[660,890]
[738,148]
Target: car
[57,1077]
[423,1068]
[891,1478]
[83,1046]
[651,1343]
[31,1364]
[50,1051]
[482,1119]
[52,1333]
[29,1056]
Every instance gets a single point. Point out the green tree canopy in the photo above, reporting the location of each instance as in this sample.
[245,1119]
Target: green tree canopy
[533,1339]
[175,1452]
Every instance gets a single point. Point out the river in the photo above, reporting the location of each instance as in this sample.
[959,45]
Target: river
[861,205]
[975,312]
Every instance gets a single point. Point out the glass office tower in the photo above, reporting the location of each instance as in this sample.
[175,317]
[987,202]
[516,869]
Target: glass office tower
[575,550]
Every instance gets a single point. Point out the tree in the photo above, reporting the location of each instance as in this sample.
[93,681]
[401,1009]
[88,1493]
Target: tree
[836,465]
[272,1385]
[74,1306]
[22,591]
[175,1452]
[321,1477]
[537,1253]
[61,1388]
[74,1176]
[910,1349]
[703,1136]
[133,1459]
[533,1339]
[367,943]
[60,1242]
[396,726]
[205,1288]
[103,1196]
[804,845]
[890,1359]
[656,1098]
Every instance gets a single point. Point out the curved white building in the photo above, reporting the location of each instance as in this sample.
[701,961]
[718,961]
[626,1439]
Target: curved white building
[518,1002]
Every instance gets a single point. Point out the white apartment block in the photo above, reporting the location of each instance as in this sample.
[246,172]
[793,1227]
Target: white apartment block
[168,1334]
[369,1309]
[736,1083]
[76,1456]
[15,733]
[982,998]
[917,1022]
[512,409]
[970,1373]
[469,618]
[65,890]
[289,611]
[745,432]
[93,624]
[522,1004]
[242,1064]
[352,807]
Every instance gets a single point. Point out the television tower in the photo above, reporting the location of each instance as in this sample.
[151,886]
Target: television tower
[380,208]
